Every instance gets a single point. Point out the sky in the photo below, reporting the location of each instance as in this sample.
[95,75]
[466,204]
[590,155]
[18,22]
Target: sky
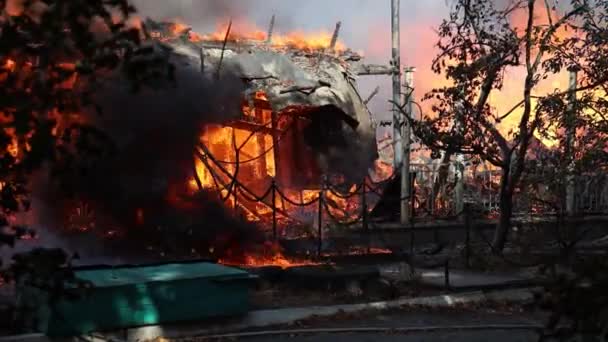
[365,28]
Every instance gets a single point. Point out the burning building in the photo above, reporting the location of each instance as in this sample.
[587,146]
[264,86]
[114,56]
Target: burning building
[300,117]
[244,113]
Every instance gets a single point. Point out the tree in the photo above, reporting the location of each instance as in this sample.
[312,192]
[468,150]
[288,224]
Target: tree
[54,56]
[479,43]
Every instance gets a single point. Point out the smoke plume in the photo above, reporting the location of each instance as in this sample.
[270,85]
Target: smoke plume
[194,12]
[154,133]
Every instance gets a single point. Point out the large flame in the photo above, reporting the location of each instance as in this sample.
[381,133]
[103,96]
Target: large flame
[243,31]
[248,155]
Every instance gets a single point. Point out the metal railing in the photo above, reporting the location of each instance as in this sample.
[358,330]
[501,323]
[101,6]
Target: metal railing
[434,196]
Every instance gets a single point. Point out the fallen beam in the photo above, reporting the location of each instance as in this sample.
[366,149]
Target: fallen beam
[372,95]
[374,69]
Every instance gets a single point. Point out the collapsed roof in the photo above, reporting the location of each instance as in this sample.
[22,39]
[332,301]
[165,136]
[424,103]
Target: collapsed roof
[318,82]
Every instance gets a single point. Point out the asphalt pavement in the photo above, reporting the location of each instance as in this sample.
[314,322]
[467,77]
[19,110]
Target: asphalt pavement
[455,336]
[417,318]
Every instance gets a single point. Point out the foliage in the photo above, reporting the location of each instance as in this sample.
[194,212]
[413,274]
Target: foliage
[54,56]
[42,277]
[578,303]
[479,44]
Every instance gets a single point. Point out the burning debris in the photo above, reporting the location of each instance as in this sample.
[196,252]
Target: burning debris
[301,99]
[301,116]
[248,113]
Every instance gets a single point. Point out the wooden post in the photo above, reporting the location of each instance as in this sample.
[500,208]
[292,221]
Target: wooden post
[334,38]
[274,209]
[275,146]
[260,141]
[320,219]
[270,30]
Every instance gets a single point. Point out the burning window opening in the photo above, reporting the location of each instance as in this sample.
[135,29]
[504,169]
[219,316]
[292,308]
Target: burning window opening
[264,148]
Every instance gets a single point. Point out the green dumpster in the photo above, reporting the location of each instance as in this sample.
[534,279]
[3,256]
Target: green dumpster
[147,295]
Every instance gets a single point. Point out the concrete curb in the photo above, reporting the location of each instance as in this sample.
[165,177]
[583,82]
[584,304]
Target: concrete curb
[265,318]
[25,338]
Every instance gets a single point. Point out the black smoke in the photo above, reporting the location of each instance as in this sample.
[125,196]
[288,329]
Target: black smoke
[193,11]
[144,163]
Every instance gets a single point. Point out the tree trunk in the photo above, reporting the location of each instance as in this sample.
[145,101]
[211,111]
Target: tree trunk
[506,211]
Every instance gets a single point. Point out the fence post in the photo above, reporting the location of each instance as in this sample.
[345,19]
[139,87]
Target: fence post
[446,274]
[412,212]
[467,225]
[274,209]
[459,190]
[320,222]
[412,195]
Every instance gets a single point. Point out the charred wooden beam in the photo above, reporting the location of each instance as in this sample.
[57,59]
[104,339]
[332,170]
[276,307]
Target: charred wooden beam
[375,69]
[372,95]
[219,66]
[270,30]
[204,155]
[334,38]
[253,127]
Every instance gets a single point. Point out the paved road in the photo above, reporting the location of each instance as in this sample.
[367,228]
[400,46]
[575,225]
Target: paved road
[418,318]
[471,336]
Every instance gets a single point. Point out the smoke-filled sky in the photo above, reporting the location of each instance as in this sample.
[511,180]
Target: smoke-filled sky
[365,28]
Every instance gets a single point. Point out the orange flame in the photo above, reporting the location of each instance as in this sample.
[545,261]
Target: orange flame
[243,31]
[272,255]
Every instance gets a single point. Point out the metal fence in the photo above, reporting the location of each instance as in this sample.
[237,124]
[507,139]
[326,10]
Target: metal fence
[439,192]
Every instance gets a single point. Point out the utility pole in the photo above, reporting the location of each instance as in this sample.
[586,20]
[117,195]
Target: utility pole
[406,131]
[396,65]
[570,136]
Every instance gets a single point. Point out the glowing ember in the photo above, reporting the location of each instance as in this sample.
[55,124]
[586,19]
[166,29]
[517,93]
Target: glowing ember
[139,216]
[272,255]
[82,218]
